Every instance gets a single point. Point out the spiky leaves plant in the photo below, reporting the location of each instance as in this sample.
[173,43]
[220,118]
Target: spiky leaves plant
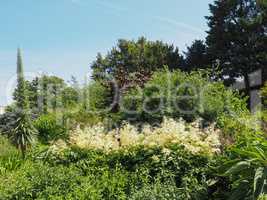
[23,134]
[247,169]
[21,96]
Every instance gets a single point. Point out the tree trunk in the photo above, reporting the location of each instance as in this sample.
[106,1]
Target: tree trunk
[23,151]
[116,95]
[247,89]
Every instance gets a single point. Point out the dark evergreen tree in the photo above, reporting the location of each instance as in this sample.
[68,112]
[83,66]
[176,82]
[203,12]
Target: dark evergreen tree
[238,37]
[196,56]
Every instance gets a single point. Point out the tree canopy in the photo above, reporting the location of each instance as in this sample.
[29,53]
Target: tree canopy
[196,56]
[132,63]
[238,37]
[136,56]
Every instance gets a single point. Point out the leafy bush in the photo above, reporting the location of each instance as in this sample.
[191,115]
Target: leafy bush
[10,158]
[264,111]
[157,191]
[238,126]
[70,97]
[125,174]
[246,167]
[7,122]
[177,94]
[264,94]
[50,128]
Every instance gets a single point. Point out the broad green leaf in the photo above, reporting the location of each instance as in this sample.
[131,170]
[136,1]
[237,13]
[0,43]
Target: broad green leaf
[240,192]
[259,181]
[261,152]
[237,168]
[245,153]
[226,165]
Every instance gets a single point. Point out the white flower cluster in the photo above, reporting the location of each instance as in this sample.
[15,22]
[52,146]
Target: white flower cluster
[191,136]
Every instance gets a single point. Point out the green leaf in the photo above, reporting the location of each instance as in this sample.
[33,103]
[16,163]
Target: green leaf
[245,153]
[240,192]
[226,165]
[261,153]
[237,168]
[259,181]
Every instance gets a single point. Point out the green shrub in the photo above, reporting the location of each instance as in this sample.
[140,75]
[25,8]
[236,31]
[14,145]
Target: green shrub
[264,94]
[10,158]
[178,94]
[6,148]
[246,167]
[157,191]
[38,181]
[50,128]
[127,174]
[8,122]
[150,167]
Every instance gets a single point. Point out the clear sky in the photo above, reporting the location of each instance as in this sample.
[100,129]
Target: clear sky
[62,37]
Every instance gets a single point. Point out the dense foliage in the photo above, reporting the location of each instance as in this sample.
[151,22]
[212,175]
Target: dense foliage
[49,128]
[151,125]
[135,56]
[126,174]
[178,94]
[237,37]
[196,56]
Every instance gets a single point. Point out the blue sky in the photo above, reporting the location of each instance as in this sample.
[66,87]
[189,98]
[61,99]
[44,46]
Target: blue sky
[62,37]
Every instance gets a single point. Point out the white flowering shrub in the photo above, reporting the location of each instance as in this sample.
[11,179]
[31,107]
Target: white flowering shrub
[191,136]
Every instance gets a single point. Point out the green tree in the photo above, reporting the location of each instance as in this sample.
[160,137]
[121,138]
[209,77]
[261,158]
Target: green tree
[70,97]
[179,94]
[50,90]
[196,56]
[132,63]
[136,56]
[23,133]
[45,93]
[237,37]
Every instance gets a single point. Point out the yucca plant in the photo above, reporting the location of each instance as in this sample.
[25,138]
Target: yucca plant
[24,132]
